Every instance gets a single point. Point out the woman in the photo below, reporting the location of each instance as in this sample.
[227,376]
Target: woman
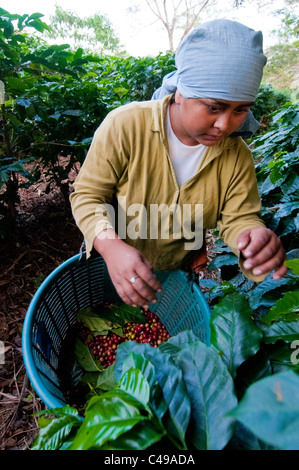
[180,164]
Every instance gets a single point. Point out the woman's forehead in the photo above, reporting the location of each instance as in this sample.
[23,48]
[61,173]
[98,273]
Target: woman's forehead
[219,102]
[228,103]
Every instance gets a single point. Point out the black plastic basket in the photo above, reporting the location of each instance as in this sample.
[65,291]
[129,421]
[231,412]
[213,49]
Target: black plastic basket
[79,283]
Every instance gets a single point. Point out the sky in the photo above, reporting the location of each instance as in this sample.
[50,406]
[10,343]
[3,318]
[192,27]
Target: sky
[139,34]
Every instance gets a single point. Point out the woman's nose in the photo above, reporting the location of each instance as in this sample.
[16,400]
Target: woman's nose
[223,121]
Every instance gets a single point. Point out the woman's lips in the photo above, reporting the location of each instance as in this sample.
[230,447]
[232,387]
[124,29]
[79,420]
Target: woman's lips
[213,137]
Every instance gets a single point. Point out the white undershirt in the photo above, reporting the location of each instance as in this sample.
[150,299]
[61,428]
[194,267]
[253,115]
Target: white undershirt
[185,159]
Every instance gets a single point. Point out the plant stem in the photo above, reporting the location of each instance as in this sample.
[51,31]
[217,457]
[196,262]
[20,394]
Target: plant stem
[12,183]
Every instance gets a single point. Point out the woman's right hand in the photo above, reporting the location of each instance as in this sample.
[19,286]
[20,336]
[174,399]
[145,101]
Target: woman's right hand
[130,272]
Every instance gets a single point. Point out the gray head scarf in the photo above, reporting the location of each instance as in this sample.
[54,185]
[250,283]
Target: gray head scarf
[221,59]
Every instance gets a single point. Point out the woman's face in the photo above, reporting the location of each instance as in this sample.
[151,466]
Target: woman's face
[206,121]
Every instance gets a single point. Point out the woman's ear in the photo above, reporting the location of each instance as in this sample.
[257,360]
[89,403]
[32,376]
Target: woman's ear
[178,97]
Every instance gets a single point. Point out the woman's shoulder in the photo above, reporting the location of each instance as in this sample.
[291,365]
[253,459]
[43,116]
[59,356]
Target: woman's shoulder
[234,143]
[147,108]
[237,145]
[131,109]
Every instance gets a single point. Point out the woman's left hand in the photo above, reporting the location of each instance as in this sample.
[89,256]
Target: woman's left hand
[263,252]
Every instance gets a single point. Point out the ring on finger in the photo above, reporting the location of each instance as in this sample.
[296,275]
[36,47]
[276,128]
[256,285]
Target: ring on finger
[133,279]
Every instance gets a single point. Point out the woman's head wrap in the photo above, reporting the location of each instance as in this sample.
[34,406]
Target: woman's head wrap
[221,59]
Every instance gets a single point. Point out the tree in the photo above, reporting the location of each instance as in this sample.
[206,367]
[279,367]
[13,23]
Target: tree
[95,31]
[177,16]
[283,65]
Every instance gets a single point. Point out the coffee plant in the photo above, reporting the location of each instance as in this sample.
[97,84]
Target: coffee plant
[277,165]
[267,101]
[55,98]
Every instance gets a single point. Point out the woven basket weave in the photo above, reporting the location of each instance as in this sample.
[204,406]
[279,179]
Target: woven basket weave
[79,283]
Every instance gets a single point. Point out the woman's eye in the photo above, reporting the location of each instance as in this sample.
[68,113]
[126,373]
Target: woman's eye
[242,110]
[214,109]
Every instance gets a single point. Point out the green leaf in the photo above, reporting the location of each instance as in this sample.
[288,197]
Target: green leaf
[87,141]
[85,358]
[220,290]
[52,436]
[223,260]
[211,391]
[142,436]
[158,402]
[4,12]
[16,84]
[268,285]
[281,330]
[120,313]
[92,320]
[169,378]
[287,208]
[276,174]
[294,265]
[135,384]
[175,343]
[121,91]
[266,186]
[106,380]
[17,166]
[107,417]
[291,185]
[63,411]
[140,362]
[35,16]
[128,313]
[37,24]
[78,53]
[234,334]
[8,30]
[287,226]
[24,102]
[270,409]
[286,308]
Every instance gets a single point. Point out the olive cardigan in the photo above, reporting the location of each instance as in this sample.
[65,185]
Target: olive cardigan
[128,168]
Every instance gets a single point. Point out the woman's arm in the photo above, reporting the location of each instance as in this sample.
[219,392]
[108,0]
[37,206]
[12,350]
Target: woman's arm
[242,228]
[124,263]
[95,186]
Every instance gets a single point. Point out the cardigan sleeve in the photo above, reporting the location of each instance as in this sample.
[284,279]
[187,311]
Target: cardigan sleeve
[95,186]
[241,209]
